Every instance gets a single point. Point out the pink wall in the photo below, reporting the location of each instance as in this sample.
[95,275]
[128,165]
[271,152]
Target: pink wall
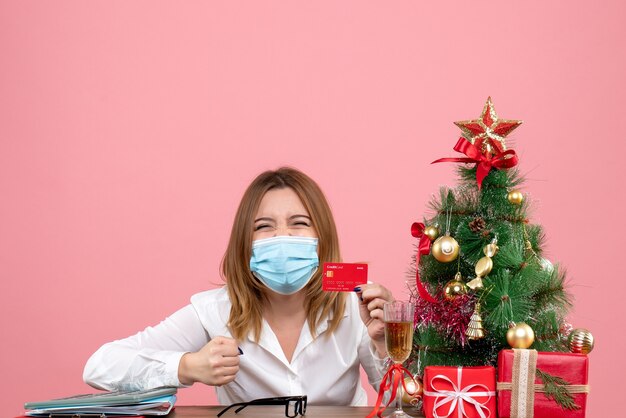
[128,131]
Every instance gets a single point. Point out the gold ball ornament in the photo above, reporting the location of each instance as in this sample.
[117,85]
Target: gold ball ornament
[515,197]
[445,249]
[432,232]
[454,288]
[414,392]
[520,336]
[580,341]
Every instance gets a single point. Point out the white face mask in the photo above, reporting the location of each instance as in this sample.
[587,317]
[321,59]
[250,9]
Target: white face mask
[285,264]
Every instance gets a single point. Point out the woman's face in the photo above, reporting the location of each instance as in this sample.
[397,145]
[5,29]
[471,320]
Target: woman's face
[282,213]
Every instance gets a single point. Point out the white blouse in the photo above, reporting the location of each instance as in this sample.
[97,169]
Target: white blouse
[326,368]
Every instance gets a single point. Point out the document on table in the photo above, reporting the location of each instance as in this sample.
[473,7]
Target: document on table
[151,402]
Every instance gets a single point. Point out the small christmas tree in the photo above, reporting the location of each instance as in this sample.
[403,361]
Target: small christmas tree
[480,271]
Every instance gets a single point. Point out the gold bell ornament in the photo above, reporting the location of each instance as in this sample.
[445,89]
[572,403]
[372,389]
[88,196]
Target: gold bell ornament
[475,330]
[455,288]
[520,335]
[483,266]
[580,341]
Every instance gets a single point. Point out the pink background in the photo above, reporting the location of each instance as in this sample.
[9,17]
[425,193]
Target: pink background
[129,130]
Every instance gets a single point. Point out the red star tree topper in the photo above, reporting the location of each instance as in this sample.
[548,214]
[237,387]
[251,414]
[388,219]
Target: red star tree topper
[487,133]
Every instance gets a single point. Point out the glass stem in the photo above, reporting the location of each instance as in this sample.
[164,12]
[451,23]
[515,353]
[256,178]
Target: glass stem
[399,395]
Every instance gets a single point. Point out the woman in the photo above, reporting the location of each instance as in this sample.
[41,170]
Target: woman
[271,330]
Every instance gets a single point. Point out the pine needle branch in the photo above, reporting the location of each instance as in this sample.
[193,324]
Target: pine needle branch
[555,389]
[553,292]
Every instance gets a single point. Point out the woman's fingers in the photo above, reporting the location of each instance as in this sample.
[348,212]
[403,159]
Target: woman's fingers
[375,291]
[216,364]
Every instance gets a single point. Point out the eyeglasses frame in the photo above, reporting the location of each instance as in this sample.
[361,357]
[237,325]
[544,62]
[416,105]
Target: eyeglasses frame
[299,407]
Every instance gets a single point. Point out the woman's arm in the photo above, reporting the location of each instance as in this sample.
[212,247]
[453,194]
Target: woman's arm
[150,358]
[374,365]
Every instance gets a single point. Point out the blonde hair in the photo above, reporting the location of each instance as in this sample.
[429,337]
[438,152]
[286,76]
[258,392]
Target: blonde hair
[245,291]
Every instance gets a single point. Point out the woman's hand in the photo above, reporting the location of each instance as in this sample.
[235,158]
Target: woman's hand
[373,296]
[215,364]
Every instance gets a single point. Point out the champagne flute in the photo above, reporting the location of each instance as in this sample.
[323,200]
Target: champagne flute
[398,318]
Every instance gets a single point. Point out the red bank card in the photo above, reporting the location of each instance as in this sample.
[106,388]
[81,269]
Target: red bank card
[343,277]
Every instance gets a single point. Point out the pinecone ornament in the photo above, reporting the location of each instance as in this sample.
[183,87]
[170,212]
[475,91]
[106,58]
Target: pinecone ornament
[477,225]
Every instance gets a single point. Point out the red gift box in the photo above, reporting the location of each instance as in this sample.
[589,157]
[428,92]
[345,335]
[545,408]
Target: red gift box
[459,392]
[529,400]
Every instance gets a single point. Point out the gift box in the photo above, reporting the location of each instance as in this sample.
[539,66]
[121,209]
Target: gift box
[522,390]
[459,392]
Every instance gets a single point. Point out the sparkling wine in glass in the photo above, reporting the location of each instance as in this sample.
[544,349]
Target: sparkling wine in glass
[399,339]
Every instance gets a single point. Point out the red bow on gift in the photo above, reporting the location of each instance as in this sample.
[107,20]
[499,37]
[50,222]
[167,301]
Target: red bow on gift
[423,248]
[392,380]
[506,159]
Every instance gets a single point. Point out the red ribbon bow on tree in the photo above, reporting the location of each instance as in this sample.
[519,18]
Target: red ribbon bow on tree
[392,380]
[423,248]
[505,159]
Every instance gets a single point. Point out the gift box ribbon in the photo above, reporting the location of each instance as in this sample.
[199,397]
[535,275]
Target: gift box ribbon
[523,386]
[459,396]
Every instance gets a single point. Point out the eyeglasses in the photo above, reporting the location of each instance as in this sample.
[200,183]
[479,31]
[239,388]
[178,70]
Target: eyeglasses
[294,405]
